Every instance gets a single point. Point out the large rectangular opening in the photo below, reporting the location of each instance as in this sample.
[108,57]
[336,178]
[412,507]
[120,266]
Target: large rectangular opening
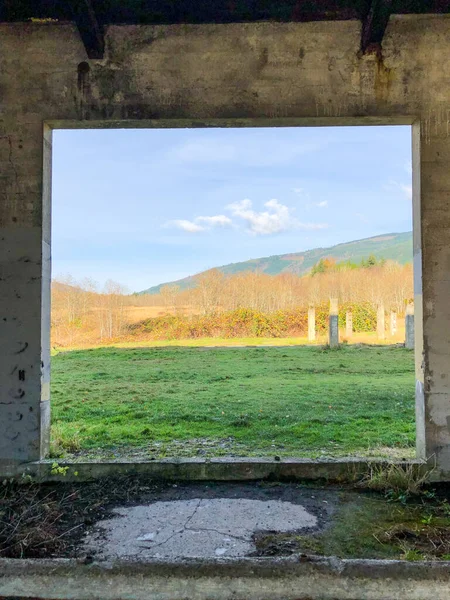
[243,238]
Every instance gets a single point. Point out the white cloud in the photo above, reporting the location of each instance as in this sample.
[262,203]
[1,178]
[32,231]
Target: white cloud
[275,219]
[202,223]
[220,220]
[322,204]
[185,225]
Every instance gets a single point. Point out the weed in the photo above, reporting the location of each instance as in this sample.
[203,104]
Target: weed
[242,421]
[411,554]
[397,481]
[64,441]
[58,469]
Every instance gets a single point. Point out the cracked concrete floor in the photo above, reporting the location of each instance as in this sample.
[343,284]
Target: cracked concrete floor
[196,527]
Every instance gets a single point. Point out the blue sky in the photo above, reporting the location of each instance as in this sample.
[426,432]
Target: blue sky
[144,206]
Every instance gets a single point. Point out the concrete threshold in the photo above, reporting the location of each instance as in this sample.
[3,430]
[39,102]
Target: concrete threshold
[215,469]
[292,578]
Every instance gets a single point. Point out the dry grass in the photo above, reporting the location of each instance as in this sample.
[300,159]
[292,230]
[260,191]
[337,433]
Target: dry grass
[134,314]
[30,520]
[48,520]
[397,479]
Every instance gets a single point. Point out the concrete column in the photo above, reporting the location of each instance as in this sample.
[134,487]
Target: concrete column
[409,327]
[333,325]
[393,323]
[311,324]
[381,334]
[348,324]
[24,295]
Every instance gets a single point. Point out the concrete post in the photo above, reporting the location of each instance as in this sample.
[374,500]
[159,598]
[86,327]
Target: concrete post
[381,334]
[333,325]
[393,323]
[348,324]
[409,327]
[24,296]
[431,212]
[311,324]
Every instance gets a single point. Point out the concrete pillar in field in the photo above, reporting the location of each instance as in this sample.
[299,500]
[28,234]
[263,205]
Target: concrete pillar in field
[333,323]
[311,324]
[348,324]
[380,322]
[393,323]
[409,327]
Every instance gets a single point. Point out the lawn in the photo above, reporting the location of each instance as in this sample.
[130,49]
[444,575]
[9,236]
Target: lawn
[287,401]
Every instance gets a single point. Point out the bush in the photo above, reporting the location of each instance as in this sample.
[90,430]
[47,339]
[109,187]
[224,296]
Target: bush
[247,322]
[364,316]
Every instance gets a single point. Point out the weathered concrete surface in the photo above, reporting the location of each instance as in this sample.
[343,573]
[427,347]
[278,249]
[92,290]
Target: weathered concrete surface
[221,469]
[348,324]
[311,324]
[409,328]
[381,324]
[393,323]
[333,324]
[226,579]
[242,74]
[200,527]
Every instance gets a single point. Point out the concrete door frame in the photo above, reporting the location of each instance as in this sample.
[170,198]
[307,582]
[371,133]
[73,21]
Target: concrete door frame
[208,75]
[414,124]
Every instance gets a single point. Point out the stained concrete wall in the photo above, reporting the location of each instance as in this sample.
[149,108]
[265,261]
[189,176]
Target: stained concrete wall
[292,578]
[250,74]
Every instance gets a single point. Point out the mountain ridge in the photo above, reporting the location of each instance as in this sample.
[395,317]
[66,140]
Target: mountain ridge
[391,246]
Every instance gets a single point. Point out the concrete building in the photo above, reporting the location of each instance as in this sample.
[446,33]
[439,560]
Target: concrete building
[218,63]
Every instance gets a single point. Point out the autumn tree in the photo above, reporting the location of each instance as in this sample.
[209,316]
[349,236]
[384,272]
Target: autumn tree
[210,290]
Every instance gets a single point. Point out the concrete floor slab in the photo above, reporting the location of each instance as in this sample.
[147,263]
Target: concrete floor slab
[198,527]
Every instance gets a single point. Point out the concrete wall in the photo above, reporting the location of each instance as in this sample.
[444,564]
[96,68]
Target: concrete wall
[292,578]
[258,74]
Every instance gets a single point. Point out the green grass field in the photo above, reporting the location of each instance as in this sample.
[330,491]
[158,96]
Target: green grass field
[175,401]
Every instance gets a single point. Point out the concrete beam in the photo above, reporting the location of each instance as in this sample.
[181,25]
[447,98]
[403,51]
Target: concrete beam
[91,31]
[374,25]
[221,469]
[292,578]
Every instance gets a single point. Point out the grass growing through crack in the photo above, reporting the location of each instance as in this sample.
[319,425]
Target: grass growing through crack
[299,401]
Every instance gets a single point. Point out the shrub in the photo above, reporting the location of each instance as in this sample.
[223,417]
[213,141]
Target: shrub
[247,322]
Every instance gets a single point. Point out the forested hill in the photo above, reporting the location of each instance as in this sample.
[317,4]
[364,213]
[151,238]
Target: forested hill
[391,246]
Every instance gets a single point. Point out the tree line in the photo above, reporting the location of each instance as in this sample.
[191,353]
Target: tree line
[385,282]
[81,310]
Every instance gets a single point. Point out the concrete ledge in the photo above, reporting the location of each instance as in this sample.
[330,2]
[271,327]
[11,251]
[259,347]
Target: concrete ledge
[293,578]
[218,469]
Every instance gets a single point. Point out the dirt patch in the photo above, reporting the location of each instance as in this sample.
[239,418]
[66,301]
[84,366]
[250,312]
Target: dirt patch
[51,520]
